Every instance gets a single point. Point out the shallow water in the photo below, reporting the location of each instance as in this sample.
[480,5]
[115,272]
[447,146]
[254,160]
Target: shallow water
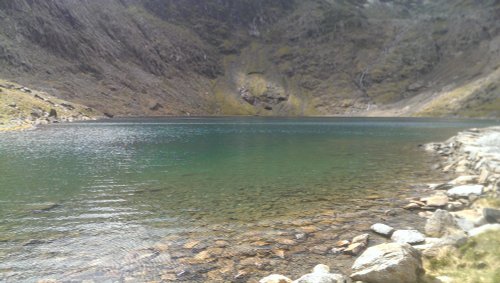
[120,199]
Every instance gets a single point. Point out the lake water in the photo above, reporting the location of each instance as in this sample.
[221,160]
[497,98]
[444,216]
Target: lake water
[200,199]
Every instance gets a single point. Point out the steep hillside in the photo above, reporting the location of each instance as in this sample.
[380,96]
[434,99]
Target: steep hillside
[280,57]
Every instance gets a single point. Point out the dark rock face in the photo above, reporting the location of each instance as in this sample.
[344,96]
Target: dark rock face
[330,57]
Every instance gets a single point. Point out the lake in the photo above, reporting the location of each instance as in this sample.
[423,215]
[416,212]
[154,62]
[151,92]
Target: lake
[202,199]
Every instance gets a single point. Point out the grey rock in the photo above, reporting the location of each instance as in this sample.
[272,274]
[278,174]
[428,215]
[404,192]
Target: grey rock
[408,236]
[53,113]
[491,215]
[321,274]
[440,223]
[465,191]
[463,180]
[437,200]
[388,263]
[363,239]
[275,278]
[382,229]
[444,186]
[483,229]
[355,248]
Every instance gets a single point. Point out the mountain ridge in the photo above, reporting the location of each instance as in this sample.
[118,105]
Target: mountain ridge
[242,57]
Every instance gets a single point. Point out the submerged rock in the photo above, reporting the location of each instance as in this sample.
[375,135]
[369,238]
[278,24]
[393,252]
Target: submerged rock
[388,263]
[382,229]
[408,236]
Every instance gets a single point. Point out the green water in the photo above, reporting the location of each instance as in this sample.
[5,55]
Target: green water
[78,197]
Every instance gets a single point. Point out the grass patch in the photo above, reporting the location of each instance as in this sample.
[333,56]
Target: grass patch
[476,261]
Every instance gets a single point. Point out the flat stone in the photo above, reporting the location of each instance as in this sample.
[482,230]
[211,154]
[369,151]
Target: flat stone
[438,200]
[191,244]
[284,241]
[411,206]
[465,191]
[382,229]
[363,238]
[355,249]
[342,243]
[408,236]
[483,229]
[471,215]
[463,180]
[444,186]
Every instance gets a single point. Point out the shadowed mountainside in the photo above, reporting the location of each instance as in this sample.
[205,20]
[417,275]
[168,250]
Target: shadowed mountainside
[281,57]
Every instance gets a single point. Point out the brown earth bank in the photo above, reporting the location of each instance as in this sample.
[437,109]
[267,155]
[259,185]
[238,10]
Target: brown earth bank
[242,57]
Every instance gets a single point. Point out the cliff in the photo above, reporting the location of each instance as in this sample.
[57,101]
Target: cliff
[280,57]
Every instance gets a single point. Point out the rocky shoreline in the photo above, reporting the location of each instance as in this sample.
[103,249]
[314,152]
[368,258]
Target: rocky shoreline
[22,108]
[455,213]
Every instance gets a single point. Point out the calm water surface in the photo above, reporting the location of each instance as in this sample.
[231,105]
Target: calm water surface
[120,199]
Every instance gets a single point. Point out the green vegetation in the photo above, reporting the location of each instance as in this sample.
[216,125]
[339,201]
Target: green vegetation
[20,107]
[476,261]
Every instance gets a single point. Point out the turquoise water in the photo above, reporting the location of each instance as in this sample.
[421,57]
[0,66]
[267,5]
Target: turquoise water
[78,198]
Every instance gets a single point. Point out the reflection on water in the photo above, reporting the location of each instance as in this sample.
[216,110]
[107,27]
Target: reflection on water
[112,200]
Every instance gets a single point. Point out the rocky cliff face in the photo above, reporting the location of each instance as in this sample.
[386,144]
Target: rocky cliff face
[280,57]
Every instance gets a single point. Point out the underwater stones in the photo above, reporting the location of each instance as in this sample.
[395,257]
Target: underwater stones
[465,190]
[279,253]
[388,263]
[287,242]
[411,206]
[309,229]
[382,229]
[408,236]
[342,243]
[191,244]
[319,249]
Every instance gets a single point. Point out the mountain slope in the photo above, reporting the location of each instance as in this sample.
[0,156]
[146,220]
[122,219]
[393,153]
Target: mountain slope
[281,57]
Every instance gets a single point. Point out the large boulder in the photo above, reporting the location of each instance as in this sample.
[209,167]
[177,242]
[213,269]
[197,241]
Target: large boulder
[465,191]
[321,274]
[408,236]
[440,224]
[388,263]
